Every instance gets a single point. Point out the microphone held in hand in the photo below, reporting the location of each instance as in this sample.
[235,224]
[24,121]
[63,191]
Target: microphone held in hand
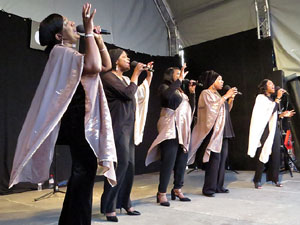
[227,87]
[80,29]
[134,63]
[193,82]
[277,88]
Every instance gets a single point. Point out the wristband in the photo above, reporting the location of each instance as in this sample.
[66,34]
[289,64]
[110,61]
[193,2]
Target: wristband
[89,35]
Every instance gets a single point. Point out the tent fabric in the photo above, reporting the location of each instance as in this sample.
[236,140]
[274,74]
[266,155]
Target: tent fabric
[286,34]
[205,20]
[134,24]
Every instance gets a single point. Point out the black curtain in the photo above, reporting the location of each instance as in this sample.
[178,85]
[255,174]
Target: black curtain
[243,61]
[293,85]
[21,69]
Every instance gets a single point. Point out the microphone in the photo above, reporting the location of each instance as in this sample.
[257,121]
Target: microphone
[227,87]
[193,82]
[277,88]
[134,63]
[80,29]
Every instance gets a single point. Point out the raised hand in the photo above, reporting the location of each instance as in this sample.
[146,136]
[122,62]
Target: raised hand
[182,72]
[87,18]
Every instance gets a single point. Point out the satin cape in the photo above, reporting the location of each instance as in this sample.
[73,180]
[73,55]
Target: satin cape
[262,114]
[211,115]
[35,147]
[171,120]
[141,104]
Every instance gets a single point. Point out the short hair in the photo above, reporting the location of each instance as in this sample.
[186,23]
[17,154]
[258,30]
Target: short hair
[168,75]
[49,27]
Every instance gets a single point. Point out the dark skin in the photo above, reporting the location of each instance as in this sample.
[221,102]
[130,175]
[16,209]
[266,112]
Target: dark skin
[271,90]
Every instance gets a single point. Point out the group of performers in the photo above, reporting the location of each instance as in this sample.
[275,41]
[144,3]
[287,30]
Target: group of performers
[103,119]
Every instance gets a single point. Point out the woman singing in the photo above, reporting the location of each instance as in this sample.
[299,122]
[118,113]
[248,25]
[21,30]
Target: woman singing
[69,96]
[128,107]
[212,131]
[264,135]
[172,142]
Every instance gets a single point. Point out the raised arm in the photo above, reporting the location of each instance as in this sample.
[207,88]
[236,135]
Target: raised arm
[106,62]
[92,58]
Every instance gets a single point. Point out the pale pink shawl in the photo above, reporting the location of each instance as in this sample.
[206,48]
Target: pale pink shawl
[36,142]
[169,120]
[211,115]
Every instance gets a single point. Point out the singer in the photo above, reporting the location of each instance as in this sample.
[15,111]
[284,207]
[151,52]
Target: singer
[173,133]
[128,104]
[70,96]
[264,135]
[212,131]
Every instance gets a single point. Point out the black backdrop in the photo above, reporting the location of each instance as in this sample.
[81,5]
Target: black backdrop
[243,61]
[21,69]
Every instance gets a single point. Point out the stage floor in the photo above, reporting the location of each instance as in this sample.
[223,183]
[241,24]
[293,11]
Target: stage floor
[243,205]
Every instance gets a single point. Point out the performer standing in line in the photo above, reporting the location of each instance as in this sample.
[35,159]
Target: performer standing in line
[70,95]
[172,142]
[212,131]
[128,104]
[264,135]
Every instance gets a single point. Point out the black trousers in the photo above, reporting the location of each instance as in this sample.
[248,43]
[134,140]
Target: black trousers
[172,158]
[273,163]
[119,195]
[215,170]
[77,206]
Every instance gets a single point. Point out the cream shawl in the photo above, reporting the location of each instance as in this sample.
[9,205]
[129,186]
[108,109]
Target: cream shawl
[36,142]
[262,114]
[141,102]
[211,115]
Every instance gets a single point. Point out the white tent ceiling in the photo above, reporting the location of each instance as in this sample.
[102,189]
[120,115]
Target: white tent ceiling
[203,20]
[137,24]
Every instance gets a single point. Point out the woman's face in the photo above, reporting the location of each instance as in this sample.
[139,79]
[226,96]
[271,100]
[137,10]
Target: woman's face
[123,63]
[218,84]
[270,87]
[176,74]
[69,33]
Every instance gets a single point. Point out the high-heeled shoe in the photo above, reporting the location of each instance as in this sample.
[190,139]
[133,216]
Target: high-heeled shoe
[278,184]
[257,185]
[132,213]
[161,203]
[112,218]
[183,199]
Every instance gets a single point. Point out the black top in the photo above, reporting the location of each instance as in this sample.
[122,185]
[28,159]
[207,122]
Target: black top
[121,103]
[72,122]
[228,129]
[266,130]
[171,98]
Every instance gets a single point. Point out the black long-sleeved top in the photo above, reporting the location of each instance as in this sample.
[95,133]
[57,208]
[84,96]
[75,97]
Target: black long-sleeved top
[171,98]
[121,102]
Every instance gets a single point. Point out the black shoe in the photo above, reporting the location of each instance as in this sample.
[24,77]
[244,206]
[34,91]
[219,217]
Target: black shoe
[112,218]
[257,185]
[278,184]
[173,197]
[223,190]
[161,203]
[132,213]
[209,194]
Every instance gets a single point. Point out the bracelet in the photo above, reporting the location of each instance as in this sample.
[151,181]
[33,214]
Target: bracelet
[103,49]
[279,99]
[224,98]
[89,35]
